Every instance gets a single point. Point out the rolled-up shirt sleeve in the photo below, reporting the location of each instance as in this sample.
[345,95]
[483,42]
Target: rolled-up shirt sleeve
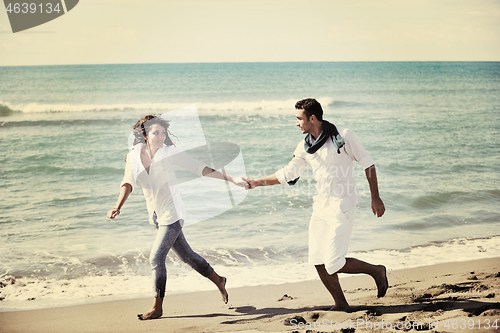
[289,174]
[128,178]
[355,149]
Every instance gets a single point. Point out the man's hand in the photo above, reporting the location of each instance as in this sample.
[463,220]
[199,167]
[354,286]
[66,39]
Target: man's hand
[378,207]
[251,182]
[263,181]
[241,181]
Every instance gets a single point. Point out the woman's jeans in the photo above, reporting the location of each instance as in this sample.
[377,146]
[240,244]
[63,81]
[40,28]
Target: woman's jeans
[171,236]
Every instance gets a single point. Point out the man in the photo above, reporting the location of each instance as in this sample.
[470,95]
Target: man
[331,155]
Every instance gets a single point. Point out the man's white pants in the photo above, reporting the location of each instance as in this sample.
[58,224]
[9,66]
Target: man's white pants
[329,235]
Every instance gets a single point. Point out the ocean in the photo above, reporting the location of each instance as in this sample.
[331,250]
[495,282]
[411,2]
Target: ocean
[431,127]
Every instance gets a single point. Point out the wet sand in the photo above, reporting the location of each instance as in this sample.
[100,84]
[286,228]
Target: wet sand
[452,297]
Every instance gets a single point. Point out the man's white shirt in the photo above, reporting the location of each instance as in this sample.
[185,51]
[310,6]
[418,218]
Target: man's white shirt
[333,172]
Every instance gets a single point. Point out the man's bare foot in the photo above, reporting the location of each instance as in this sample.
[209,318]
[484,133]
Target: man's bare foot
[153,314]
[340,307]
[222,288]
[381,281]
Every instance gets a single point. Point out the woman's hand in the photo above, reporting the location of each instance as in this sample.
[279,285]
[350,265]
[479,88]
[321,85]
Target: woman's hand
[113,213]
[125,191]
[251,182]
[240,182]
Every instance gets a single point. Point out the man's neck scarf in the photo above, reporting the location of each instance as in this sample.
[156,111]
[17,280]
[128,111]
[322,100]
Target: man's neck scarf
[329,131]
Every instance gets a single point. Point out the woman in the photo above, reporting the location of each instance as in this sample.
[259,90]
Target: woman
[150,162]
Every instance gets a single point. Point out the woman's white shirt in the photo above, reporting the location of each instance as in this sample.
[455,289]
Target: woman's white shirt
[160,184]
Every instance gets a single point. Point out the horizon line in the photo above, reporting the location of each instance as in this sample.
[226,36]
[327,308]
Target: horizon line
[261,62]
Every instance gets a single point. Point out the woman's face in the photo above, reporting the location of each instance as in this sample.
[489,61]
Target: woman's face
[156,136]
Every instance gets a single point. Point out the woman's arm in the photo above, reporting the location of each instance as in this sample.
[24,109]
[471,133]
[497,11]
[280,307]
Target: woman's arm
[125,191]
[181,158]
[209,172]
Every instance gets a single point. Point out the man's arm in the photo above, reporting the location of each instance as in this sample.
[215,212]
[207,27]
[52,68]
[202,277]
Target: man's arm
[378,207]
[287,175]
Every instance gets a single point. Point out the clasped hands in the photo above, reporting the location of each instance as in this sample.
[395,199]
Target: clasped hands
[245,182]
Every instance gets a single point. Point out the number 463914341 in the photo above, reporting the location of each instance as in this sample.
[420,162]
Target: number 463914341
[32,8]
[470,324]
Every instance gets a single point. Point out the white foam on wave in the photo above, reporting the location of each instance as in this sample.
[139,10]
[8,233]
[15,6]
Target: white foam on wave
[34,293]
[274,106]
[460,249]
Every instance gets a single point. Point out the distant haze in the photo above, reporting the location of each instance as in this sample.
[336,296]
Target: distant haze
[148,31]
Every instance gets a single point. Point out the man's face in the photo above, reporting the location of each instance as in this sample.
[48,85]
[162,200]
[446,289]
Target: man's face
[304,124]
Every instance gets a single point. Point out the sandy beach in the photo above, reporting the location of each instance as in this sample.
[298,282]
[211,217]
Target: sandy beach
[461,296]
[412,88]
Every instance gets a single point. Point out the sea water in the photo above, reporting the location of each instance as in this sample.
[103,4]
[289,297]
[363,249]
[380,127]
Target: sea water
[432,129]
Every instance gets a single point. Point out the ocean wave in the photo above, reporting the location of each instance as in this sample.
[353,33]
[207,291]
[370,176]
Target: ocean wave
[275,106]
[458,249]
[447,221]
[60,170]
[69,266]
[32,293]
[122,282]
[431,222]
[345,104]
[6,111]
[58,122]
[436,200]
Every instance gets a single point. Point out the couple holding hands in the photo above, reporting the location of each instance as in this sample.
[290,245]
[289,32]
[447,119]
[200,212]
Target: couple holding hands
[329,151]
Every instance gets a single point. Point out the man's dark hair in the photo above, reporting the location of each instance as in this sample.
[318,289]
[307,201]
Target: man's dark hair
[310,107]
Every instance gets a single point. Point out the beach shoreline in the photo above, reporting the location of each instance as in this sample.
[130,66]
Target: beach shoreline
[442,297]
[60,250]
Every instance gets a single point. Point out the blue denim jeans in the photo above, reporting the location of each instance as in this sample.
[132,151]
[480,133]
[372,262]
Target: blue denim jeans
[172,237]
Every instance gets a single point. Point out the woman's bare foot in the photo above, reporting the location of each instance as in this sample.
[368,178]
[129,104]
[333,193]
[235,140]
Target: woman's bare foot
[222,288]
[153,314]
[220,282]
[381,281]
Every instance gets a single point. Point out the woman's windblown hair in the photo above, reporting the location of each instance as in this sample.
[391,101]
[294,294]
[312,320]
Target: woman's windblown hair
[141,128]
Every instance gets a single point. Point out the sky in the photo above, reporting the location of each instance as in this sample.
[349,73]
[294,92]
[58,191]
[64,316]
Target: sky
[185,31]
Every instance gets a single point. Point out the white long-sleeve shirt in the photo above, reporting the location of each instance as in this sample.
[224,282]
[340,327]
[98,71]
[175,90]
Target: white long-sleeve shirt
[333,172]
[160,184]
